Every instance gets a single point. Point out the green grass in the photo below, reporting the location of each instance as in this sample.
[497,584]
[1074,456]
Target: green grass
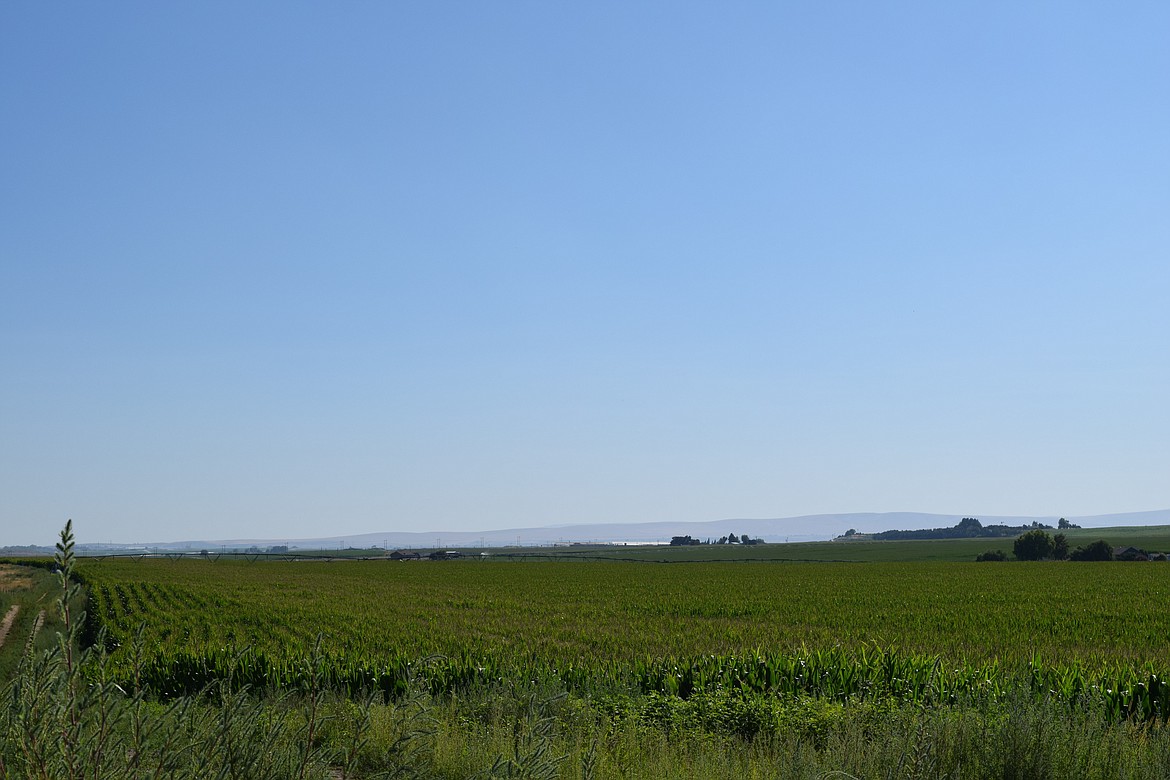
[1155,538]
[33,590]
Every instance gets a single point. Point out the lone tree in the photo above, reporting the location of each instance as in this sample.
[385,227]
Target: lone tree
[1035,545]
[969,526]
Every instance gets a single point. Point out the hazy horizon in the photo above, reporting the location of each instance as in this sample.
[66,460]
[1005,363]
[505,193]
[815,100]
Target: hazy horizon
[798,528]
[267,269]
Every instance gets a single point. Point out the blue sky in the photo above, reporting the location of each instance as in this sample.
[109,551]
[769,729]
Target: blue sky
[281,270]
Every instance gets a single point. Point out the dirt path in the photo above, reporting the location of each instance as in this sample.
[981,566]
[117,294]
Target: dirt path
[7,624]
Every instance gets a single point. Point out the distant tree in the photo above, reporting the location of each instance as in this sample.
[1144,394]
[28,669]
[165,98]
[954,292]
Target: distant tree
[991,555]
[1035,545]
[732,539]
[969,526]
[1060,547]
[682,540]
[1099,550]
[1063,524]
[851,532]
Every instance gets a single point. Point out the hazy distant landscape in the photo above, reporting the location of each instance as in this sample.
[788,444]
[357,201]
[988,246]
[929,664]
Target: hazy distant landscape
[792,529]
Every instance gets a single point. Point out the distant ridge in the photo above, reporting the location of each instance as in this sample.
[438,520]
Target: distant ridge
[805,528]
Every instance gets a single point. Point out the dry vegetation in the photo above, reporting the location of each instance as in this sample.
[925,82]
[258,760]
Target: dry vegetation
[14,578]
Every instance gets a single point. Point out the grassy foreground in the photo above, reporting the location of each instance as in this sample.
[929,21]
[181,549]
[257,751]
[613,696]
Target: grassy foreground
[59,723]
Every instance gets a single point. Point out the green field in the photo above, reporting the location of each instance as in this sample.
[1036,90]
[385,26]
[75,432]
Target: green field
[610,662]
[559,611]
[900,629]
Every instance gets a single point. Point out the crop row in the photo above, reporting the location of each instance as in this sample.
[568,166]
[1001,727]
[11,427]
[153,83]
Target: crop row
[914,631]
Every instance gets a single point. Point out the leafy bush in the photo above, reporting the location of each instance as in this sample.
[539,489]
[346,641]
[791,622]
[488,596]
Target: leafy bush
[1036,545]
[1099,550]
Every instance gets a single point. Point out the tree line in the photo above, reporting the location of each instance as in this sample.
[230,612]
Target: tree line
[677,541]
[1039,545]
[967,528]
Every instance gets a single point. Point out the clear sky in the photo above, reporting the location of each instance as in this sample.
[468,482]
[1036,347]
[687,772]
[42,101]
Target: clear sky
[300,269]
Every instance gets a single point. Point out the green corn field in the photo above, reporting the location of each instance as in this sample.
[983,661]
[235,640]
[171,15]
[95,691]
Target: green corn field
[917,632]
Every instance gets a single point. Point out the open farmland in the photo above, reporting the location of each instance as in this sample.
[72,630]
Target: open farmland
[603,669]
[601,616]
